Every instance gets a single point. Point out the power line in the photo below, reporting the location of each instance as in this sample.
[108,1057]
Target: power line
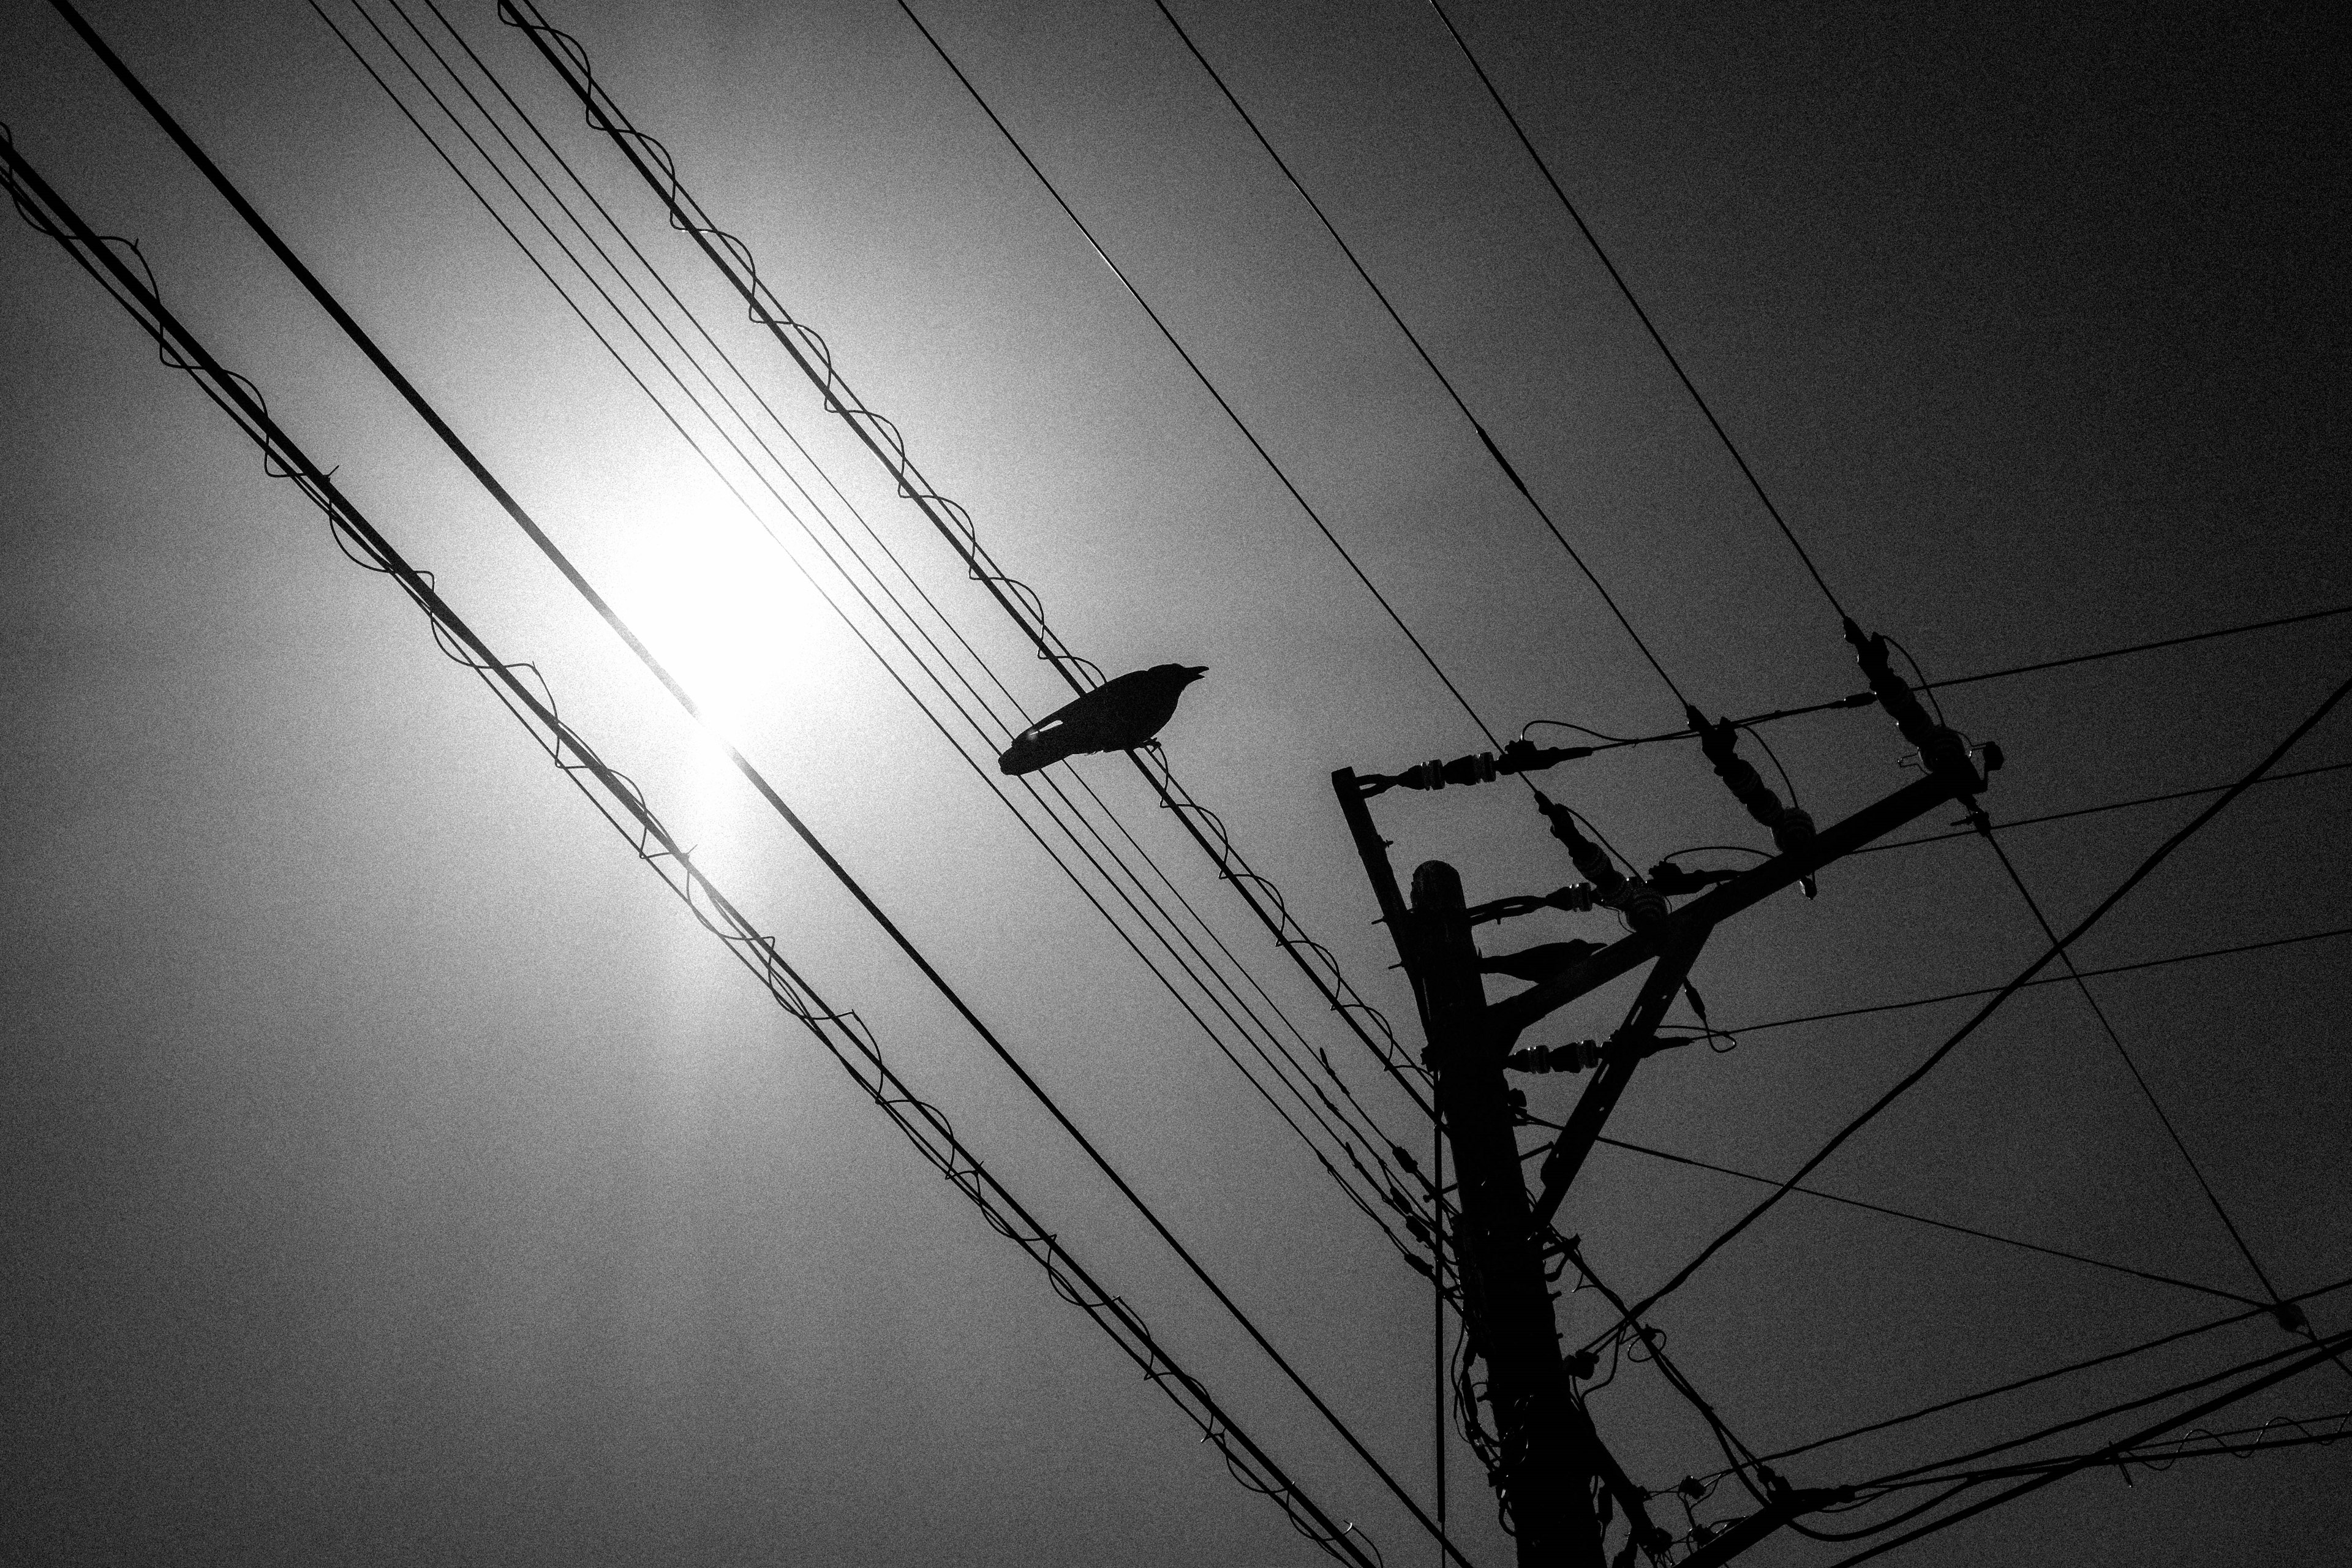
[1443,381]
[2139,647]
[1390,1190]
[2147,1092]
[2096,810]
[2035,1379]
[1627,290]
[2108,1453]
[1280,473]
[742,764]
[1912,1079]
[810,353]
[624,804]
[1865,698]
[1744,1029]
[1937,1223]
[2241,1443]
[1231,413]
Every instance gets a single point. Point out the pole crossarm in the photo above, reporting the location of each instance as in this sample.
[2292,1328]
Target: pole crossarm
[1506,1019]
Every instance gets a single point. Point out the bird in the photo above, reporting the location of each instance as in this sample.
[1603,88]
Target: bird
[1117,716]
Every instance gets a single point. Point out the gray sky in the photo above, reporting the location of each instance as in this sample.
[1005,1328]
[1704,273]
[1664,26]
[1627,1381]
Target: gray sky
[396,1173]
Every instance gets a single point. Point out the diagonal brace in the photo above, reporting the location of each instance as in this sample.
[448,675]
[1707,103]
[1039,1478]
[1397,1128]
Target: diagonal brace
[1623,1055]
[1506,1019]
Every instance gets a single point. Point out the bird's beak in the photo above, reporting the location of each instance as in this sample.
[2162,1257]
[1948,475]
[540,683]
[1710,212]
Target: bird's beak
[1195,671]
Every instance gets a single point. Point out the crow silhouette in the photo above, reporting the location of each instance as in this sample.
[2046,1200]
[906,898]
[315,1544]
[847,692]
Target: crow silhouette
[1117,716]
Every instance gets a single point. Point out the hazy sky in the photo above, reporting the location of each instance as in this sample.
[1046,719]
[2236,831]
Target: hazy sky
[394,1172]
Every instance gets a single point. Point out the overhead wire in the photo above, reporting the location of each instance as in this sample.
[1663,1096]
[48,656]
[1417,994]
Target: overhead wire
[2033,1380]
[2105,1454]
[2147,1091]
[1233,414]
[1912,1079]
[2051,980]
[2241,1443]
[2060,1252]
[1004,730]
[520,688]
[1445,381]
[1353,1147]
[741,764]
[1626,290]
[1979,820]
[1740,1457]
[1757,486]
[2121,1408]
[2280,778]
[1874,1489]
[811,353]
[1867,699]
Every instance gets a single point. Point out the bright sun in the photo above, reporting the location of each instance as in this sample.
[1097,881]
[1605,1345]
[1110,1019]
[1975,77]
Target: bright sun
[720,607]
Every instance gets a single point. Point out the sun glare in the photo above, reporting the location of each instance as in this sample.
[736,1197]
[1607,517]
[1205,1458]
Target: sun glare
[722,609]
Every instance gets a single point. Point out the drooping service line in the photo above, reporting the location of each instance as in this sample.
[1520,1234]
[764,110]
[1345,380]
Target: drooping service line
[843,1035]
[742,764]
[814,357]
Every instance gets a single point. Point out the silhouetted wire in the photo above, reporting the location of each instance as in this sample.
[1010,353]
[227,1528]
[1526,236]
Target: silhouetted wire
[696,446]
[1938,1224]
[946,661]
[2237,1444]
[1912,1079]
[2071,1423]
[1355,1146]
[2144,647]
[2147,1092]
[2096,810]
[2099,1457]
[1231,413]
[2034,1379]
[1443,380]
[1390,1189]
[1232,416]
[742,764]
[1865,699]
[2242,1443]
[924,1126]
[810,353]
[1626,292]
[1881,1487]
[1738,1454]
[2053,980]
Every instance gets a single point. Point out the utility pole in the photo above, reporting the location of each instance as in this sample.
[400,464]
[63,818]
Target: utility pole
[1544,1479]
[1551,1465]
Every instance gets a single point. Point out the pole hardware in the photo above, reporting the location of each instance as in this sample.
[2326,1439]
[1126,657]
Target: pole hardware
[1553,1474]
[1792,828]
[1521,756]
